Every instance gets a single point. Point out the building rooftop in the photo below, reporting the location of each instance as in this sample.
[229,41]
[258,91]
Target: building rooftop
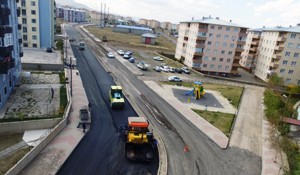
[210,20]
[36,55]
[149,35]
[295,29]
[133,27]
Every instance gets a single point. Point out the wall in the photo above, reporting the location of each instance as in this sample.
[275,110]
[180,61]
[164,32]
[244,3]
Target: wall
[45,23]
[44,67]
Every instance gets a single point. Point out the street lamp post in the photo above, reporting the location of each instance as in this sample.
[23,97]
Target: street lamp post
[71,75]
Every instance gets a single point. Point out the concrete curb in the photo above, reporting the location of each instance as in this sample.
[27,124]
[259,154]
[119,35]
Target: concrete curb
[163,163]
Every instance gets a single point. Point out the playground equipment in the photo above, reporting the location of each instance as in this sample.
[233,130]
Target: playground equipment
[198,90]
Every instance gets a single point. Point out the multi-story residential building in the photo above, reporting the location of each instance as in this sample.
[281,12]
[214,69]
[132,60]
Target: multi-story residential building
[211,45]
[249,56]
[143,21]
[153,23]
[166,25]
[10,48]
[38,22]
[279,52]
[74,15]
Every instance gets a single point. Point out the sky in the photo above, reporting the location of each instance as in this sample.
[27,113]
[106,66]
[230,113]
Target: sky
[248,13]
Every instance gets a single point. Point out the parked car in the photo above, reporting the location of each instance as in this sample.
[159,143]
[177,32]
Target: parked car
[174,78]
[163,64]
[178,70]
[129,52]
[120,52]
[49,50]
[165,69]
[110,55]
[172,70]
[157,58]
[157,69]
[72,39]
[142,65]
[186,70]
[126,56]
[131,60]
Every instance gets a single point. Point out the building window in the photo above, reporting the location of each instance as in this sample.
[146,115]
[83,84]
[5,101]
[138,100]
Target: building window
[219,66]
[227,28]
[230,53]
[291,71]
[212,66]
[24,21]
[233,38]
[236,29]
[227,67]
[5,90]
[207,51]
[220,28]
[223,52]
[34,45]
[202,34]
[217,43]
[33,29]
[23,12]
[32,3]
[224,44]
[209,43]
[297,83]
[293,35]
[212,27]
[290,45]
[34,37]
[218,35]
[33,20]
[284,62]
[231,45]
[282,71]
[204,65]
[293,63]
[215,51]
[25,37]
[288,80]
[226,36]
[24,29]
[206,58]
[33,12]
[213,58]
[221,59]
[298,46]
[296,55]
[228,60]
[210,35]
[25,45]
[287,53]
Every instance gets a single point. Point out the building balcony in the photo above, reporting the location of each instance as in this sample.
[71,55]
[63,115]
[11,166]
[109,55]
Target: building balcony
[276,56]
[242,42]
[279,48]
[202,30]
[200,45]
[20,41]
[4,10]
[239,49]
[4,51]
[255,43]
[198,54]
[236,57]
[18,12]
[236,65]
[274,64]
[253,49]
[256,36]
[281,39]
[19,26]
[4,29]
[200,37]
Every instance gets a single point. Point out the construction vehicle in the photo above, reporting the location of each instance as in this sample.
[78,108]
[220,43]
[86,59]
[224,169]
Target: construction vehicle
[116,97]
[139,141]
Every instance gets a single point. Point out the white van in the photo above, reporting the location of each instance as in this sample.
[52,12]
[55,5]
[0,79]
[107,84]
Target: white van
[81,45]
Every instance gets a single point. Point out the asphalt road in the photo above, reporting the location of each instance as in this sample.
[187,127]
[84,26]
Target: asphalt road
[204,156]
[101,151]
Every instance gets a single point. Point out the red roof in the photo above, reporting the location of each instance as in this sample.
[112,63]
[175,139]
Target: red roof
[291,121]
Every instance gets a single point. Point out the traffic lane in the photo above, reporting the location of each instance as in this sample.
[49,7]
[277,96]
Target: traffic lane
[117,155]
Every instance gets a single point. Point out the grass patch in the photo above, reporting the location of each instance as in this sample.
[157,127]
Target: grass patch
[222,121]
[62,78]
[9,161]
[232,93]
[63,100]
[8,140]
[130,39]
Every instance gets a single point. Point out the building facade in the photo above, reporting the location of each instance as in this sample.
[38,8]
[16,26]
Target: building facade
[74,15]
[211,45]
[143,21]
[10,48]
[278,53]
[38,22]
[166,25]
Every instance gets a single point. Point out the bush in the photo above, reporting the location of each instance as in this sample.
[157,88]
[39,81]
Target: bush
[63,99]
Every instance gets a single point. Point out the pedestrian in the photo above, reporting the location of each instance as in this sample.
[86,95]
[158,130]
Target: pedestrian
[84,127]
[89,105]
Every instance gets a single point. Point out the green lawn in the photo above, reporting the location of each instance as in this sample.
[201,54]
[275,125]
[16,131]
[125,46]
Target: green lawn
[222,121]
[134,40]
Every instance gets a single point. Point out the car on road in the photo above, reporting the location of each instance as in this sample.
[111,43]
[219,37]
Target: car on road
[131,60]
[157,58]
[126,56]
[120,52]
[81,45]
[178,70]
[172,70]
[175,79]
[72,39]
[110,55]
[157,69]
[185,70]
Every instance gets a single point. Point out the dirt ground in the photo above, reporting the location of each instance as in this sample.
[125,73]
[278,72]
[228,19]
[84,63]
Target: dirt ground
[34,97]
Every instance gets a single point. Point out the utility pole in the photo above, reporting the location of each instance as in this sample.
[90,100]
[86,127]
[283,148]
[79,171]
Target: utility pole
[71,76]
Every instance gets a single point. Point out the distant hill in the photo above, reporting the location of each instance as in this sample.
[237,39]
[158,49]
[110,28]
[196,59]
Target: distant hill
[72,3]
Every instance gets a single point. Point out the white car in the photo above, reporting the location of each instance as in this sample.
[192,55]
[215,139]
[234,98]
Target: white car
[165,69]
[174,78]
[110,55]
[157,58]
[120,52]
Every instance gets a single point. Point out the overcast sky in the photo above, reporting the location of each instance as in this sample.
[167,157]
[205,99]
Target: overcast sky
[249,13]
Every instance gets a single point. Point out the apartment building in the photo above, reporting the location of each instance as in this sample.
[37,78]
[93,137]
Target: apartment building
[10,48]
[211,45]
[249,56]
[74,15]
[153,23]
[166,25]
[143,21]
[38,22]
[278,53]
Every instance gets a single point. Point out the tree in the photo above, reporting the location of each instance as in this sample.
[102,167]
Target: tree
[275,80]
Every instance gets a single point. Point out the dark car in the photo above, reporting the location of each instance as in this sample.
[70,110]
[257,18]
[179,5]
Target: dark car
[84,114]
[178,70]
[49,50]
[129,52]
